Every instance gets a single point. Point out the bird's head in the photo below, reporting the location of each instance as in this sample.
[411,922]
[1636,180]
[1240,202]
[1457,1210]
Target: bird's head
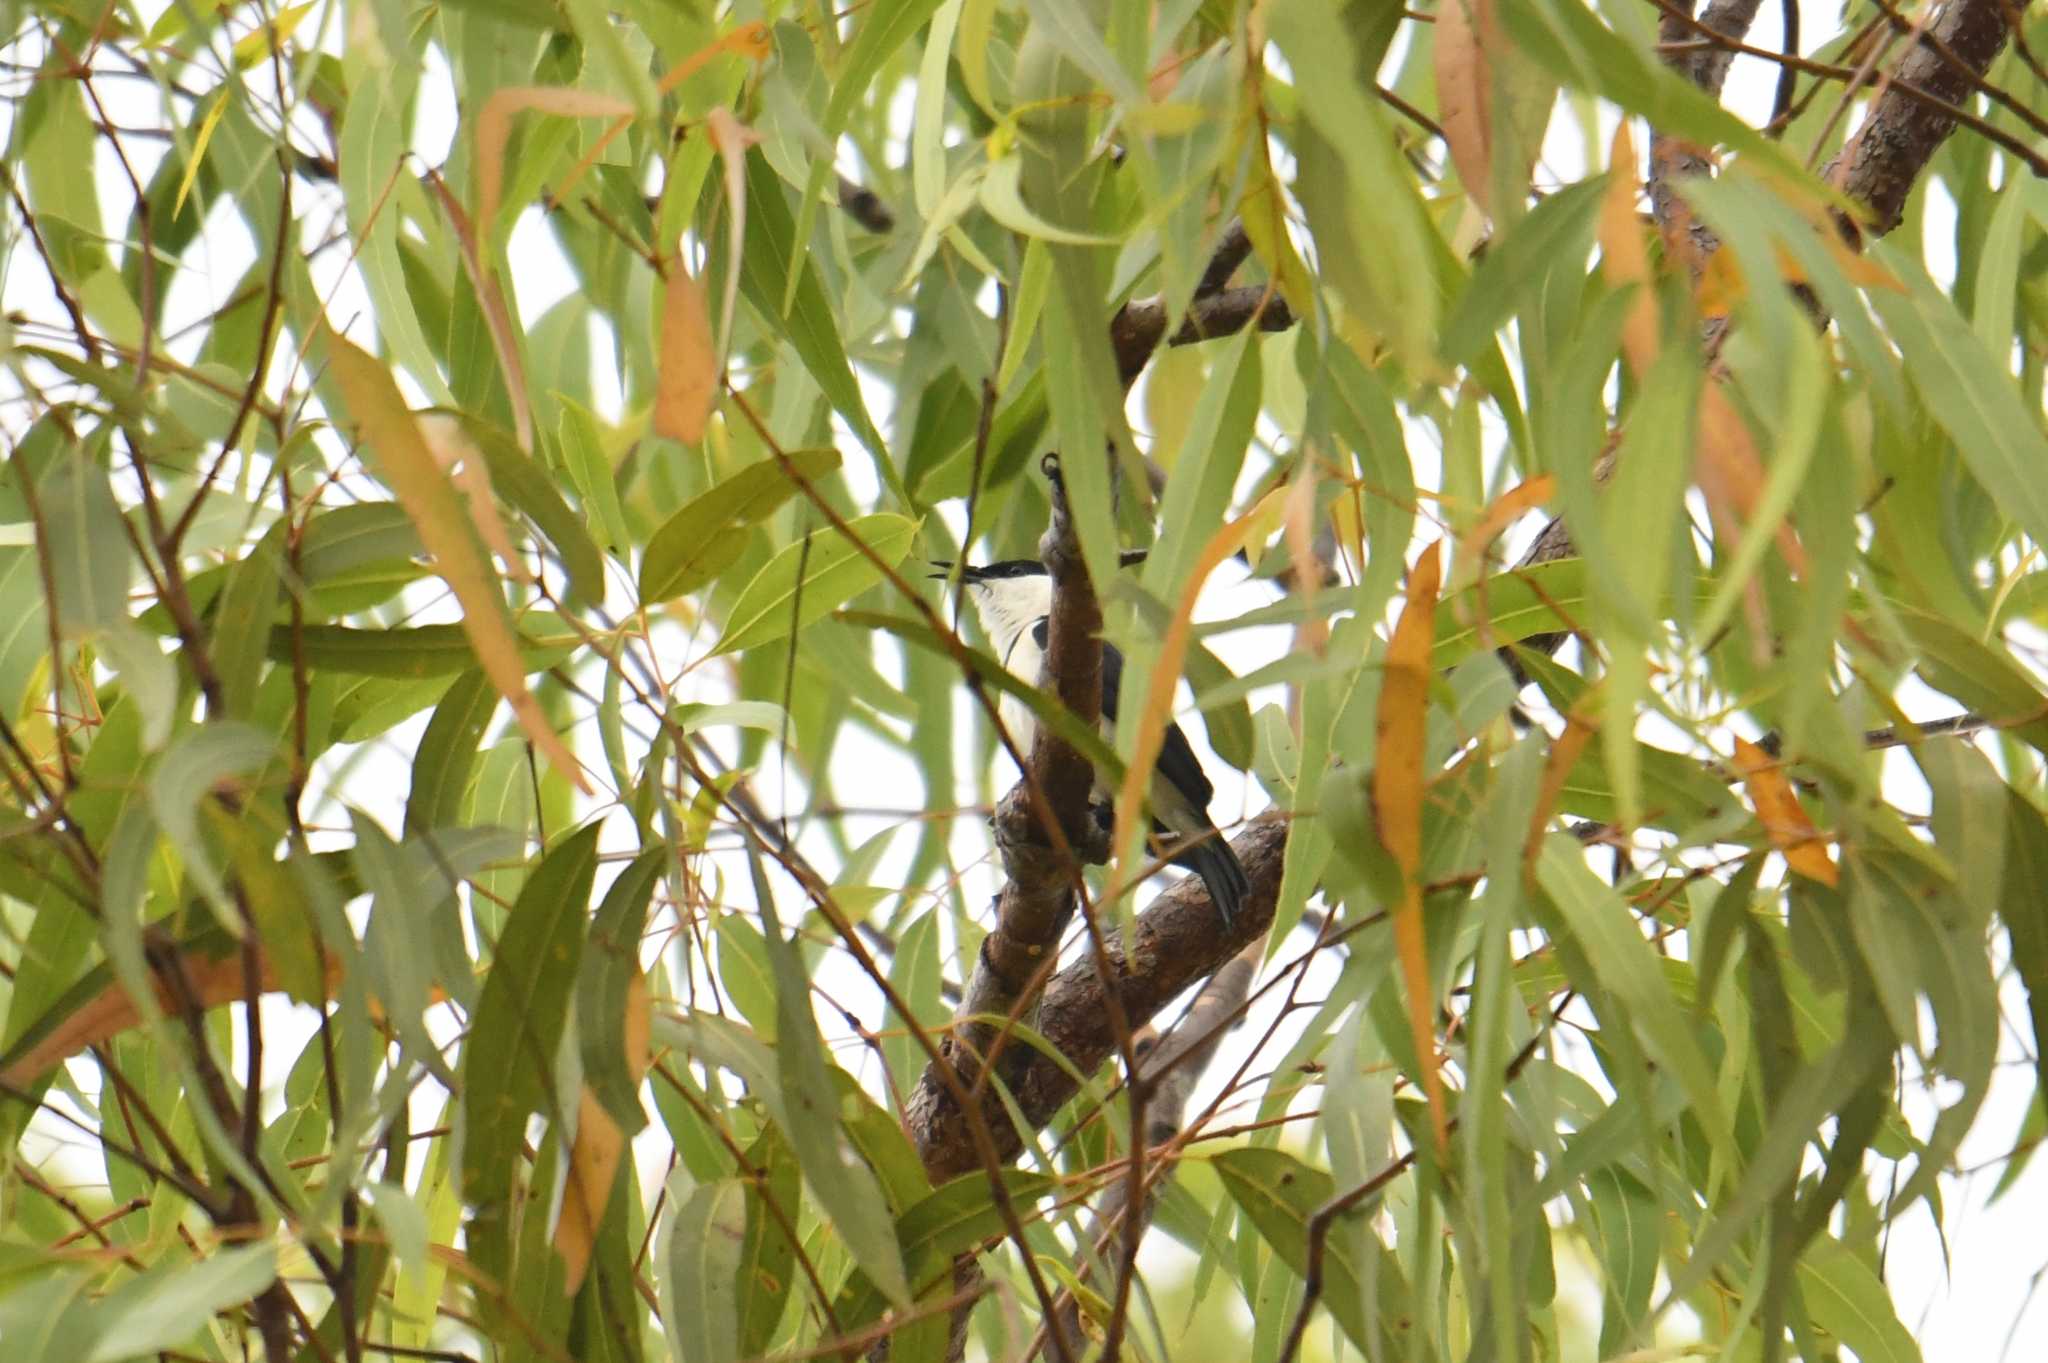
[1009,595]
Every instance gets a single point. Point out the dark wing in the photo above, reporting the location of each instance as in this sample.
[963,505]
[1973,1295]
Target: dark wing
[1176,758]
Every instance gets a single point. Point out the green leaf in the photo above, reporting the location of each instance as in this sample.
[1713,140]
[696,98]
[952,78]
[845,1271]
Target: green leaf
[590,470]
[1556,235]
[945,1223]
[90,565]
[508,1059]
[701,1264]
[708,534]
[374,155]
[1849,1302]
[1362,1284]
[846,1189]
[446,756]
[772,257]
[810,579]
[166,1306]
[2025,915]
[1970,393]
[768,1254]
[1625,1223]
[416,652]
[611,962]
[519,480]
[186,775]
[241,620]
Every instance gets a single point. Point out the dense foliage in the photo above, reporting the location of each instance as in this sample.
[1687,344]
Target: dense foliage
[498,819]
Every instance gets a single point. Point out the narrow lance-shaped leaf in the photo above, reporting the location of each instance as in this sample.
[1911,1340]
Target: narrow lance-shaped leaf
[844,1186]
[1397,795]
[810,579]
[400,455]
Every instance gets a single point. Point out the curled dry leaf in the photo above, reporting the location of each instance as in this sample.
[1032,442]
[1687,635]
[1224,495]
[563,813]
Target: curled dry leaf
[1493,102]
[732,138]
[494,129]
[1397,805]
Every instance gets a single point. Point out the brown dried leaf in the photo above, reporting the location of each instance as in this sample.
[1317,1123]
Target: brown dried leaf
[1397,791]
[213,980]
[399,455]
[1491,100]
[600,1145]
[1804,848]
[688,381]
[494,129]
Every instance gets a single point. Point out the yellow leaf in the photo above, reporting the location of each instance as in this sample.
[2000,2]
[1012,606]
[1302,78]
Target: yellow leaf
[1784,818]
[687,384]
[205,135]
[1397,806]
[400,456]
[1263,210]
[254,46]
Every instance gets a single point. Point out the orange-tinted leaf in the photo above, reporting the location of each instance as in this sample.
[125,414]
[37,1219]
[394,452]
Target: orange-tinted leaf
[464,463]
[1557,769]
[1784,818]
[1506,509]
[1397,804]
[689,365]
[600,1145]
[1624,259]
[213,980]
[750,40]
[1173,647]
[399,454]
[494,128]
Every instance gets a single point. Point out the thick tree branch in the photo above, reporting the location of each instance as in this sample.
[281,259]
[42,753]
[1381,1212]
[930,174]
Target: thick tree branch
[1136,329]
[1885,157]
[1178,941]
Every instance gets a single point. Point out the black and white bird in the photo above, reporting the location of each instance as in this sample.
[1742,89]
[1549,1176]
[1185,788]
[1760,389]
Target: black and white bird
[1013,600]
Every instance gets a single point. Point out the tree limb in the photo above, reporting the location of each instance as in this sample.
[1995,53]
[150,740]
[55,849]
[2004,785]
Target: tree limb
[1178,940]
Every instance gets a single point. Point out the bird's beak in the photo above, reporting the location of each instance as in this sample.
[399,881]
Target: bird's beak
[944,566]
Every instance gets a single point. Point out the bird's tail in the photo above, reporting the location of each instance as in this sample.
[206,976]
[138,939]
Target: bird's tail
[1210,857]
